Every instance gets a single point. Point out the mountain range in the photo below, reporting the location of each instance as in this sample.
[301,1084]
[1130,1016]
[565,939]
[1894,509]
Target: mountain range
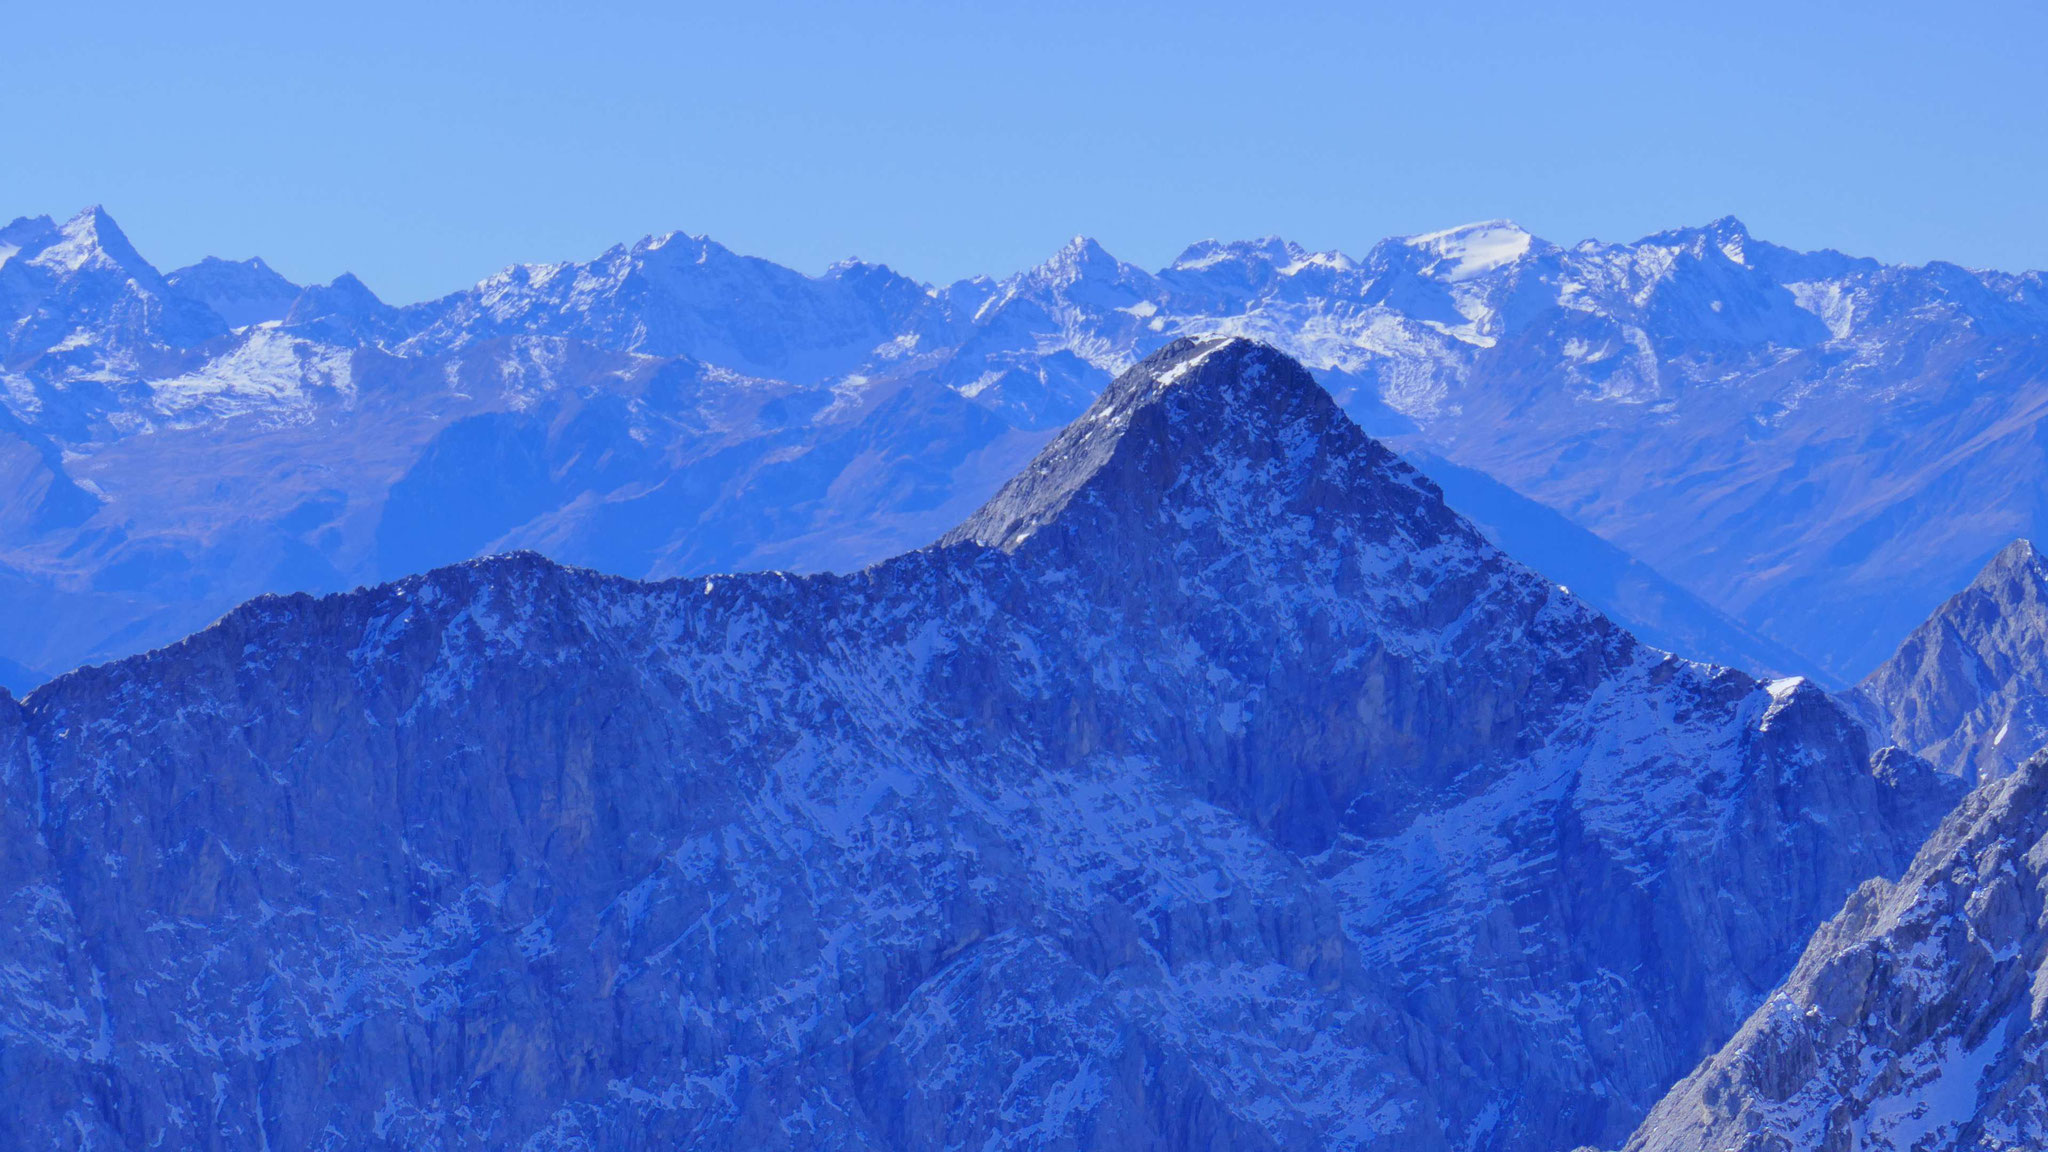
[1780,460]
[1215,784]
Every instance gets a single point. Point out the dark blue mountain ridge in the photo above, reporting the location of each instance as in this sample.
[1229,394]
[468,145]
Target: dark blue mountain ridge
[1216,785]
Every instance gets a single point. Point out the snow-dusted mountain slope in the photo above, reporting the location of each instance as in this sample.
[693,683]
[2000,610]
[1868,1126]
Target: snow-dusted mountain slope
[1914,1021]
[1214,786]
[1968,689]
[1817,446]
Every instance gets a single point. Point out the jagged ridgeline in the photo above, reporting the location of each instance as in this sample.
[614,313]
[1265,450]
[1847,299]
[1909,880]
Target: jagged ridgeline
[176,443]
[1215,786]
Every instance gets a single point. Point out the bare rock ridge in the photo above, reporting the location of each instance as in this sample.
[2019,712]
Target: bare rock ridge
[1968,689]
[1914,1021]
[1239,414]
[240,292]
[1215,786]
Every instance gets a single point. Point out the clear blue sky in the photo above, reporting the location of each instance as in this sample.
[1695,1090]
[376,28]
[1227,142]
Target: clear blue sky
[423,146]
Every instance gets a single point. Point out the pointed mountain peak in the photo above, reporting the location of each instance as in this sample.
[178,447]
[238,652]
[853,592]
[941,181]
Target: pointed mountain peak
[1726,228]
[1968,689]
[97,224]
[343,310]
[91,238]
[348,292]
[2015,574]
[1727,235]
[1199,415]
[1080,261]
[2015,558]
[1230,371]
[1075,258]
[1732,237]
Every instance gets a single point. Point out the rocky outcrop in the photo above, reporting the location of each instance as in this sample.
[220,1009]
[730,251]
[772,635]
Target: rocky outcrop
[1968,689]
[1216,786]
[1915,1020]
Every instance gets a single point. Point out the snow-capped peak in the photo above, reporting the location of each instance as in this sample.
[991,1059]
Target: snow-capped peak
[92,237]
[1080,250]
[1472,250]
[1731,236]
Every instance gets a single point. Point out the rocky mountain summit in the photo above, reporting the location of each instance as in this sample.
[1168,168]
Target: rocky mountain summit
[1968,689]
[1915,1020]
[671,407]
[1215,785]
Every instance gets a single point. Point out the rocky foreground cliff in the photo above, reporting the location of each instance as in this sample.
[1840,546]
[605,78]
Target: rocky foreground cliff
[1214,787]
[1917,1021]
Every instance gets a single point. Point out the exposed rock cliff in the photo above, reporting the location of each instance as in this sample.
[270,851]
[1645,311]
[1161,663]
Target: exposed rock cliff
[1968,689]
[1917,1021]
[1214,787]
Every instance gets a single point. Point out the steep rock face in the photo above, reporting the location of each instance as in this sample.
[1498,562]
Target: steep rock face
[1914,1022]
[240,292]
[1968,689]
[1215,786]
